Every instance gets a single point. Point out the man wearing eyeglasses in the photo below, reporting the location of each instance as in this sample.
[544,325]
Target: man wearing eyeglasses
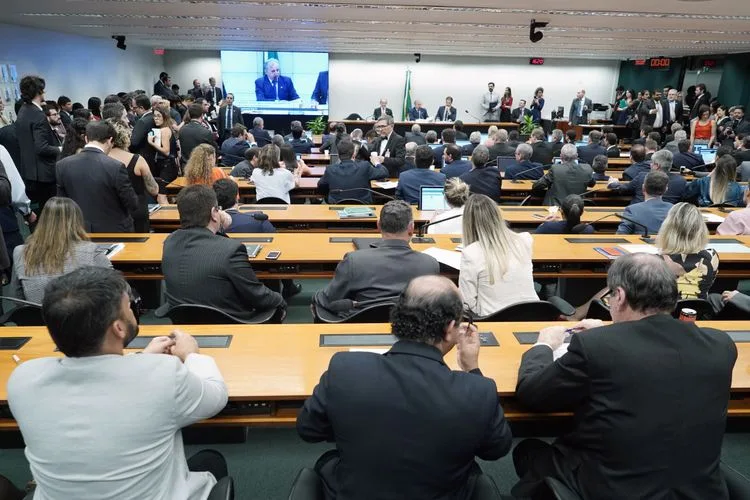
[404,424]
[389,149]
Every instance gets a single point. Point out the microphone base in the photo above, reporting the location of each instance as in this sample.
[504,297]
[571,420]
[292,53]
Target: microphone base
[422,239]
[515,181]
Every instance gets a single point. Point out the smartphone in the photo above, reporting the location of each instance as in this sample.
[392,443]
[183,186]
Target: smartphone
[273,255]
[299,157]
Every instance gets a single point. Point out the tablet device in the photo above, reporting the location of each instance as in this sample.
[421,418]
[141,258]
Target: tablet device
[432,198]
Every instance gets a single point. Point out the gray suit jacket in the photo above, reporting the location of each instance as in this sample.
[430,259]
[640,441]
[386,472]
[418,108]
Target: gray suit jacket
[192,134]
[651,213]
[564,179]
[101,187]
[375,273]
[203,268]
[573,117]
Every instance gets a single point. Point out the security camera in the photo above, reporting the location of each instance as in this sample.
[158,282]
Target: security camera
[534,35]
[417,57]
[120,41]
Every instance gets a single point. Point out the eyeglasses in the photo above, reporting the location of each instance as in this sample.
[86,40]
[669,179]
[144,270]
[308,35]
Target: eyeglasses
[378,127]
[467,316]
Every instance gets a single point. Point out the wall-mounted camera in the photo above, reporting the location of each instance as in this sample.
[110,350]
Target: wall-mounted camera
[417,57]
[534,35]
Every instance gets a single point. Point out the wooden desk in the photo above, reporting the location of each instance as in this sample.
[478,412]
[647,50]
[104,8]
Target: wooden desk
[324,218]
[281,364]
[311,255]
[401,127]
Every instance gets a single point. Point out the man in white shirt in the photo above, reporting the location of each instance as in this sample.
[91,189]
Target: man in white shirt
[98,424]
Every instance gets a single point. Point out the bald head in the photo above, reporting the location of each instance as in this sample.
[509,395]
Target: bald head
[425,310]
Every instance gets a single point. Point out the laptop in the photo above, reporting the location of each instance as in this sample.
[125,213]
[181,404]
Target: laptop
[580,144]
[709,155]
[699,148]
[432,198]
[503,162]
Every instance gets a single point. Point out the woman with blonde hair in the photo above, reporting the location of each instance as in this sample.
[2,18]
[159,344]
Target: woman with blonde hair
[58,245]
[496,268]
[139,173]
[720,187]
[201,167]
[456,195]
[271,178]
[682,242]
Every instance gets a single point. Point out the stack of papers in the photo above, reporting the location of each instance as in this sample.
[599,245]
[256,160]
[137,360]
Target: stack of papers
[728,247]
[709,217]
[447,257]
[386,184]
[639,248]
[356,212]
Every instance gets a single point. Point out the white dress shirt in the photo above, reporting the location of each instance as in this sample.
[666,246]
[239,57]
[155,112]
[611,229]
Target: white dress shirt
[110,426]
[19,199]
[659,120]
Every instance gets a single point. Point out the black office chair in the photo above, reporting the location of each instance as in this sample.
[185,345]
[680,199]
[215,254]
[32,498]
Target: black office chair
[532,310]
[738,484]
[271,200]
[559,491]
[598,310]
[370,311]
[222,490]
[307,486]
[730,312]
[702,308]
[24,313]
[194,314]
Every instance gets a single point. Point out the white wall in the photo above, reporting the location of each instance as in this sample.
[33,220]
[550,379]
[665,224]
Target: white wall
[78,66]
[184,66]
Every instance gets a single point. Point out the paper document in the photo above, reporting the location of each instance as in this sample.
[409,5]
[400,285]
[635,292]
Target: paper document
[639,248]
[447,257]
[709,217]
[386,184]
[729,247]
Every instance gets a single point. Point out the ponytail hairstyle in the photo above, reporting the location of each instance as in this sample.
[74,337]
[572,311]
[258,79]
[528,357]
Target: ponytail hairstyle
[572,209]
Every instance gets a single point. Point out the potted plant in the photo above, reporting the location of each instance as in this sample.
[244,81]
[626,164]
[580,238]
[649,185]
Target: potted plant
[525,127]
[318,125]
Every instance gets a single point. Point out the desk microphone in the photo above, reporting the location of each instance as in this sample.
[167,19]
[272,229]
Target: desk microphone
[477,119]
[342,305]
[420,231]
[516,180]
[579,228]
[645,229]
[337,191]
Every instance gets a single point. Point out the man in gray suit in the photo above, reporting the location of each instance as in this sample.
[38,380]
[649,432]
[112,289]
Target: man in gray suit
[580,109]
[194,133]
[99,184]
[201,267]
[652,211]
[380,272]
[98,424]
[672,146]
[565,178]
[415,135]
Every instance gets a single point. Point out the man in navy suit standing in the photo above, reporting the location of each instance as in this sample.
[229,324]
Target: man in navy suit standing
[320,93]
[273,86]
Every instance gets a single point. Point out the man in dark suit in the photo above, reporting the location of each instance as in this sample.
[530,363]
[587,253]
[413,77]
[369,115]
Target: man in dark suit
[197,91]
[272,86]
[418,112]
[652,211]
[214,93]
[195,255]
[229,115]
[299,144]
[565,178]
[382,110]
[389,445]
[448,136]
[580,109]
[742,153]
[557,142]
[640,163]
[381,272]
[233,149]
[671,111]
[194,133]
[517,114]
[524,168]
[415,135]
[636,423]
[99,184]
[662,160]
[262,137]
[587,153]
[685,157]
[483,179]
[474,140]
[38,144]
[388,150]
[139,138]
[228,197]
[701,99]
[66,109]
[446,113]
[163,87]
[349,179]
[740,124]
[501,146]
[410,181]
[320,92]
[453,164]
[541,151]
[611,145]
[458,128]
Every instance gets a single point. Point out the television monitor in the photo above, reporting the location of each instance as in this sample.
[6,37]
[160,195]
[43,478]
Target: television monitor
[432,198]
[277,83]
[699,148]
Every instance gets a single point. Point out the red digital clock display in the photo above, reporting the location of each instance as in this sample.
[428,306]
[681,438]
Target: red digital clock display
[661,62]
[709,63]
[536,61]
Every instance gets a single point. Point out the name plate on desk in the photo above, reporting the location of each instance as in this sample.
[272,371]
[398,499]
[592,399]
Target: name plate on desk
[596,240]
[258,239]
[244,208]
[120,239]
[13,343]
[377,339]
[530,337]
[204,341]
[338,209]
[340,239]
[715,241]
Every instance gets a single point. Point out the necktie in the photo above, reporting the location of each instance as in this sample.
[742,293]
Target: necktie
[276,87]
[229,117]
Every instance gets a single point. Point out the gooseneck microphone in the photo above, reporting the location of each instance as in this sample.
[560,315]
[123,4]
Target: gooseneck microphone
[337,191]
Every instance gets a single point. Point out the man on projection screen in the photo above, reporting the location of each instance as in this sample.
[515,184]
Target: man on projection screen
[273,86]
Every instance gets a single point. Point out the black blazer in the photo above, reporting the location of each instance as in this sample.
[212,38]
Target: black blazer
[486,180]
[613,152]
[139,139]
[396,146]
[203,268]
[441,114]
[501,149]
[376,113]
[39,145]
[349,174]
[5,201]
[587,153]
[262,137]
[221,121]
[406,425]
[415,138]
[650,400]
[541,153]
[192,134]
[678,113]
[101,187]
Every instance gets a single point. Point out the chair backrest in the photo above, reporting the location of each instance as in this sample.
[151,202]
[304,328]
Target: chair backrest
[702,308]
[193,314]
[532,310]
[731,312]
[24,314]
[223,489]
[271,200]
[597,310]
[378,313]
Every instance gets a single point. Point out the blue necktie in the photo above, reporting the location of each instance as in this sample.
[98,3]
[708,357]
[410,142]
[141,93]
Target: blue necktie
[276,88]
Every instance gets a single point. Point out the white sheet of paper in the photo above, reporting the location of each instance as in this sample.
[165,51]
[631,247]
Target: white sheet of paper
[386,184]
[558,353]
[729,247]
[376,351]
[639,248]
[708,217]
[447,257]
